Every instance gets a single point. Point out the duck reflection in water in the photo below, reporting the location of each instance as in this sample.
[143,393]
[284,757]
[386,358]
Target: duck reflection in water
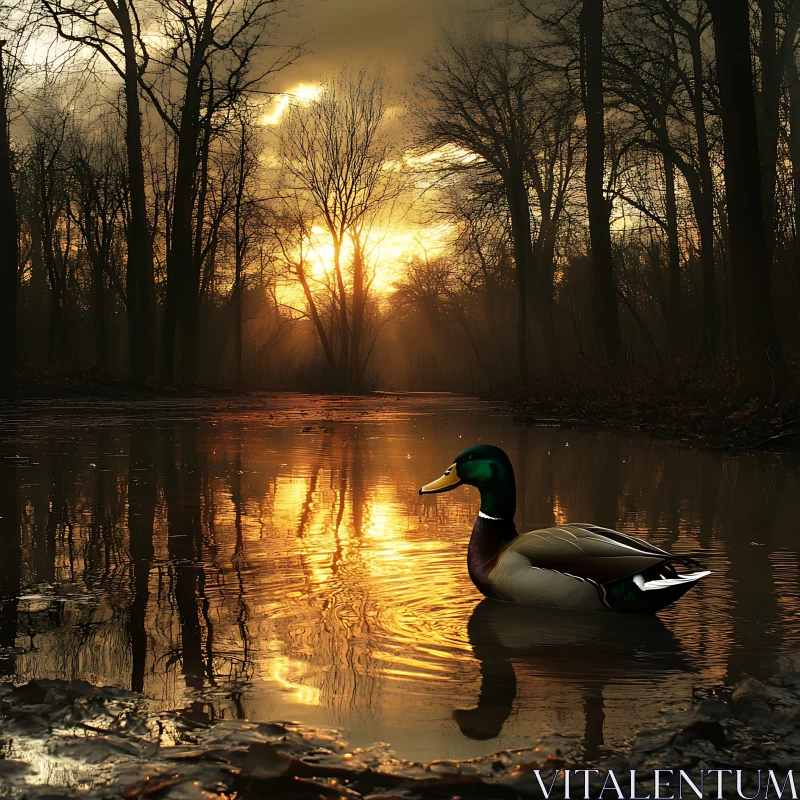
[588,651]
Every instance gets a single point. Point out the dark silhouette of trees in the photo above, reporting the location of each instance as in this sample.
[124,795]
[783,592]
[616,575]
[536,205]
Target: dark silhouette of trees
[604,303]
[697,173]
[482,96]
[656,67]
[9,242]
[142,502]
[51,218]
[98,180]
[774,50]
[208,60]
[562,206]
[248,216]
[113,30]
[759,349]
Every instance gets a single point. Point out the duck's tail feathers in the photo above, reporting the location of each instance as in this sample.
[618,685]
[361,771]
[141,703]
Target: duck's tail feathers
[651,590]
[661,590]
[685,579]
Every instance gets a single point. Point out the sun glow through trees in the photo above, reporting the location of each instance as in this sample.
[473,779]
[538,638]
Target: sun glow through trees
[392,240]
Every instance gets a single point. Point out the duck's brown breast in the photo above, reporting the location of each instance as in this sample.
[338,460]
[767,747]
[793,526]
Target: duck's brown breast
[488,539]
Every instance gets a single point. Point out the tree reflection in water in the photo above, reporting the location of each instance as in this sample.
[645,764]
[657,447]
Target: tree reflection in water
[242,568]
[11,560]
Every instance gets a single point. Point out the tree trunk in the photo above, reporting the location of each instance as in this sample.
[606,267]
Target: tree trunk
[674,269]
[181,313]
[703,203]
[793,81]
[54,331]
[772,55]
[182,239]
[761,363]
[9,248]
[239,258]
[344,328]
[37,288]
[768,105]
[238,323]
[358,315]
[604,300]
[519,211]
[704,213]
[141,298]
[169,333]
[546,260]
[99,312]
[315,317]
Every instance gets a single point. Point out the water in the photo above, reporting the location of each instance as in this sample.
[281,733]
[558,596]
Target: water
[276,562]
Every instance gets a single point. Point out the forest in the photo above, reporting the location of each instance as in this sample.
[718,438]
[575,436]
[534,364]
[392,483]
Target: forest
[590,191]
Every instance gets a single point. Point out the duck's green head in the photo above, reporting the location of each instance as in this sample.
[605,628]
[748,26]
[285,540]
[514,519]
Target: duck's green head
[487,468]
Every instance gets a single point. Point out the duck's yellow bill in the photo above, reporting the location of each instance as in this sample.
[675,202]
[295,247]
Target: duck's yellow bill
[448,481]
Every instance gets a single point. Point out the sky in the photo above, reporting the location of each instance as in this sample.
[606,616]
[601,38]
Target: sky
[395,34]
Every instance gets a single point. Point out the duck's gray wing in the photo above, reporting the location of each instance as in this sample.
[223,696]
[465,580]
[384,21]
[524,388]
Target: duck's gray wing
[589,552]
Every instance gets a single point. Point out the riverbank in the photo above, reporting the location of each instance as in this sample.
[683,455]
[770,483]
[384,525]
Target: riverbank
[702,415]
[716,420]
[44,384]
[71,739]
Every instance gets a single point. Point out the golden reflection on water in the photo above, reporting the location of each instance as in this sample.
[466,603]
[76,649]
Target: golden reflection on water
[289,570]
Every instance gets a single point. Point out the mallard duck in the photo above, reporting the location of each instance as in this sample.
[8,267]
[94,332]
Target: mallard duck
[576,566]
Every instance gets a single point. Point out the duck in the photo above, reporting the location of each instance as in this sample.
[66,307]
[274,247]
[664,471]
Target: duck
[578,566]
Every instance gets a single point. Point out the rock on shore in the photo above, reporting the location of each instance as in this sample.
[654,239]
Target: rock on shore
[71,739]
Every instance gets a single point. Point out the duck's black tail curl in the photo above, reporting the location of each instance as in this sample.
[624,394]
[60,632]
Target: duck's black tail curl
[652,589]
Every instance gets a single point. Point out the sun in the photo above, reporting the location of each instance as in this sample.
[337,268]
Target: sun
[301,93]
[387,255]
[387,251]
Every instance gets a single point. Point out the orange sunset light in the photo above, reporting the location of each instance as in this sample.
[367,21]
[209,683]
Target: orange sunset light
[388,252]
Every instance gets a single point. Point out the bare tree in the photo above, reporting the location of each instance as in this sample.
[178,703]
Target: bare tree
[98,184]
[207,63]
[247,217]
[113,29]
[552,162]
[291,227]
[793,143]
[334,152]
[481,95]
[774,50]
[17,23]
[9,242]
[656,66]
[46,177]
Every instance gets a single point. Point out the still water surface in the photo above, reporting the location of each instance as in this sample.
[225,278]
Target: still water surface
[277,562]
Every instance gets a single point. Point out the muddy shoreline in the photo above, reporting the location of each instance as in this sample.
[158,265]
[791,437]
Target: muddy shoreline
[717,423]
[72,739]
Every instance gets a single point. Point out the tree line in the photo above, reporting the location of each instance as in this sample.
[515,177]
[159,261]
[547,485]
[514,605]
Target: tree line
[607,186]
[641,160]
